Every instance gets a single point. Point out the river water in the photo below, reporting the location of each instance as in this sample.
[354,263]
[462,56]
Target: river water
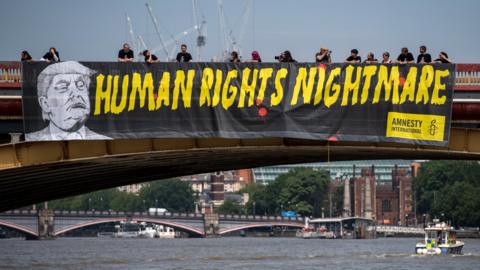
[227,253]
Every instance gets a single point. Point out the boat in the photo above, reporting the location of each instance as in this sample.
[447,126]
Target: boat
[440,239]
[336,228]
[142,230]
[319,233]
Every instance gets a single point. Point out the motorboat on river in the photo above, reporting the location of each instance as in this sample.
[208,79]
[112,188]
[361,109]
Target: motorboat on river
[440,239]
[334,228]
[142,230]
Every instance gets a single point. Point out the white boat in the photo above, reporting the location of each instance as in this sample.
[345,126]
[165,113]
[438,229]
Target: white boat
[157,231]
[134,230]
[440,239]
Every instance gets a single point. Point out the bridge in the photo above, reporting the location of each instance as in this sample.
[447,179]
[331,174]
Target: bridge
[41,171]
[48,224]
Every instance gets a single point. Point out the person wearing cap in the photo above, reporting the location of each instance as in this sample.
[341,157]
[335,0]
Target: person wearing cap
[323,56]
[62,91]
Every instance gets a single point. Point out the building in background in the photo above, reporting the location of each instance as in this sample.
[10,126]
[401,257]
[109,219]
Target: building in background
[219,186]
[390,204]
[338,169]
[395,203]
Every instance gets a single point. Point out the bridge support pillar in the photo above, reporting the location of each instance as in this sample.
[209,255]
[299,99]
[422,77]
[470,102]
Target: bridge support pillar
[211,226]
[46,224]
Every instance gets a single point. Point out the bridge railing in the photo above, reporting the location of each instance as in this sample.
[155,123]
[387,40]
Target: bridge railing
[259,218]
[467,76]
[10,74]
[107,213]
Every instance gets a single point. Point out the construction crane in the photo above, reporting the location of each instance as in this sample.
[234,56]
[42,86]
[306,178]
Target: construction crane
[157,30]
[229,41]
[201,29]
[130,32]
[173,41]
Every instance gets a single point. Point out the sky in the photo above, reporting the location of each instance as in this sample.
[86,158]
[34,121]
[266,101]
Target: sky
[94,30]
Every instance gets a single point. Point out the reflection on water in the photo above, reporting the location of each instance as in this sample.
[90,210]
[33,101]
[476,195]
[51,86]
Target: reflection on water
[227,253]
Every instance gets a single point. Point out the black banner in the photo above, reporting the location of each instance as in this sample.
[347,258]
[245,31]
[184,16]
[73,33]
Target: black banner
[336,102]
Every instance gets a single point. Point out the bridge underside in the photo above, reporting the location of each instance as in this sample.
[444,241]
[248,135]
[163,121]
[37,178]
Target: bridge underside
[36,172]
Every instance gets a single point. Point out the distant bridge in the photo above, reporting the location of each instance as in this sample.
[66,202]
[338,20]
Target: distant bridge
[46,224]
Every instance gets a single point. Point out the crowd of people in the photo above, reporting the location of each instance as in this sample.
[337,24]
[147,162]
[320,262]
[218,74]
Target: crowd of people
[126,54]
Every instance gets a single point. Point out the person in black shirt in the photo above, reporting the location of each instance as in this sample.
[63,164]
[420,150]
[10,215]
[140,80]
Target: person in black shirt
[149,57]
[353,58]
[51,56]
[424,57]
[125,54]
[25,57]
[323,56]
[443,58]
[405,57]
[184,56]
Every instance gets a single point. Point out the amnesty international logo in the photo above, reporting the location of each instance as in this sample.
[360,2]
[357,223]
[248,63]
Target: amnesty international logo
[433,129]
[415,126]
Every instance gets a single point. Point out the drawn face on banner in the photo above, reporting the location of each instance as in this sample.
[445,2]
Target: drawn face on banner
[66,101]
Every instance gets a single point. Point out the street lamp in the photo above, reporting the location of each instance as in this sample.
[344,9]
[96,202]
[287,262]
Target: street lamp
[253,208]
[89,204]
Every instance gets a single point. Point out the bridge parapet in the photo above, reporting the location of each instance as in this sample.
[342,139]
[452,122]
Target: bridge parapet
[467,75]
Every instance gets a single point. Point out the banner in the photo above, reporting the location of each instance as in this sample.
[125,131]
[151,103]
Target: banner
[337,102]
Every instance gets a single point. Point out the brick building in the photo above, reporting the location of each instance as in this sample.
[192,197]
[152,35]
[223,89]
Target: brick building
[389,203]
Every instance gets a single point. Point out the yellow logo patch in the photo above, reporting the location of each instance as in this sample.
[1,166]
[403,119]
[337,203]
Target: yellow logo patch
[415,126]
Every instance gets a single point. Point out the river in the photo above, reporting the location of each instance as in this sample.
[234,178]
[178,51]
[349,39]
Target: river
[227,253]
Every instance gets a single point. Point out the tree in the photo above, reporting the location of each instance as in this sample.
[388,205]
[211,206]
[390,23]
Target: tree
[230,207]
[449,188]
[303,190]
[172,194]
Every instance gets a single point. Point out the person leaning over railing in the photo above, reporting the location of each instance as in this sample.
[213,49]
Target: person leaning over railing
[386,58]
[370,59]
[424,57]
[285,57]
[255,58]
[405,57]
[25,57]
[183,55]
[443,58]
[125,54]
[234,58]
[51,56]
[149,57]
[354,57]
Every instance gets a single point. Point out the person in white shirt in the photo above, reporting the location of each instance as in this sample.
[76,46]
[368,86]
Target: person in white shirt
[62,90]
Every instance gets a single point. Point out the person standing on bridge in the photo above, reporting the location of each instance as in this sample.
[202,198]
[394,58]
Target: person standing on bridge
[183,55]
[62,91]
[51,56]
[125,54]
